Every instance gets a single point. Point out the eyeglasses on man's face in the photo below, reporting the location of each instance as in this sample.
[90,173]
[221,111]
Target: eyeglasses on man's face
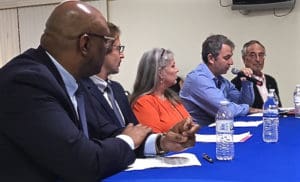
[107,40]
[120,48]
[253,55]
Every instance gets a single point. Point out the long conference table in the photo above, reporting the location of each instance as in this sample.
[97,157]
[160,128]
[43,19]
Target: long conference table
[254,160]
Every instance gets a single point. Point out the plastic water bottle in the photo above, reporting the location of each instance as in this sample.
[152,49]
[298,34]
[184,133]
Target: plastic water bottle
[270,120]
[297,101]
[224,132]
[276,99]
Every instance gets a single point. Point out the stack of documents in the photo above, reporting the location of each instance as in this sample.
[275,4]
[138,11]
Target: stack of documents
[212,138]
[177,160]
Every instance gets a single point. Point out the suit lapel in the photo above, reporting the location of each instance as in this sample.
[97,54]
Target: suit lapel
[41,56]
[96,93]
[119,96]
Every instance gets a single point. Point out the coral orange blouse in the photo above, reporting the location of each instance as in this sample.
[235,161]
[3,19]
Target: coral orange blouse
[160,115]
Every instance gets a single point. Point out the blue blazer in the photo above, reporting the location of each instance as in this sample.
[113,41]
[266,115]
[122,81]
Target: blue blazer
[40,136]
[102,121]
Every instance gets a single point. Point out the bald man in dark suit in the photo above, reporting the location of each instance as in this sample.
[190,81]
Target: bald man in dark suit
[42,136]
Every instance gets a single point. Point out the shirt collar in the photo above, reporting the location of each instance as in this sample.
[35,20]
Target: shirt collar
[210,74]
[69,80]
[260,78]
[101,84]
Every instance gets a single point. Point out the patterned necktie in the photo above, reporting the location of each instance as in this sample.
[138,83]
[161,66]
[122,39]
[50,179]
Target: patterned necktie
[81,111]
[111,97]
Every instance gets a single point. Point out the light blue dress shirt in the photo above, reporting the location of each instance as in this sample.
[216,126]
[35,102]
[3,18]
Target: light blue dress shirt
[69,81]
[201,97]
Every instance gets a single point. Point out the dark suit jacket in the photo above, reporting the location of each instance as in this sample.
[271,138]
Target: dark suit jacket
[102,121]
[258,101]
[40,137]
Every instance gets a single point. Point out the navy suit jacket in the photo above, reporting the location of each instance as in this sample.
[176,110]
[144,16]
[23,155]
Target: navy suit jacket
[102,121]
[40,135]
[258,101]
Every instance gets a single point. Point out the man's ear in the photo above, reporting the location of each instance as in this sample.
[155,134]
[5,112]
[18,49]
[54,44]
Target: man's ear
[211,59]
[84,41]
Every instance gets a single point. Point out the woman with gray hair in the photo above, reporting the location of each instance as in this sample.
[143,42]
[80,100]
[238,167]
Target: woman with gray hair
[153,103]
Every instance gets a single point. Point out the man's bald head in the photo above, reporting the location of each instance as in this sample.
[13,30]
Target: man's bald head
[69,20]
[68,38]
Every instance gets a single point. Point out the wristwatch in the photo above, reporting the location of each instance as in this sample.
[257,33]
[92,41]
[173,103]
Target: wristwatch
[159,150]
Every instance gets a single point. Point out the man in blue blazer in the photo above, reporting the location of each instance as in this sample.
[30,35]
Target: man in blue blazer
[97,97]
[41,136]
[100,105]
[97,103]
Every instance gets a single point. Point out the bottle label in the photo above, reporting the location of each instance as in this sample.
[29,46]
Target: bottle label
[224,125]
[270,111]
[271,114]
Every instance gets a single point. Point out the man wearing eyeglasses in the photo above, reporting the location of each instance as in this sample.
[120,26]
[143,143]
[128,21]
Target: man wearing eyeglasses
[106,121]
[253,55]
[97,92]
[43,134]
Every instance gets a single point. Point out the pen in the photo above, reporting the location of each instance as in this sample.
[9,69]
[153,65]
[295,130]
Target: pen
[207,158]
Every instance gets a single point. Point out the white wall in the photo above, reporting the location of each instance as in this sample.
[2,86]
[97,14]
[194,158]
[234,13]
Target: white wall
[32,22]
[182,26]
[23,22]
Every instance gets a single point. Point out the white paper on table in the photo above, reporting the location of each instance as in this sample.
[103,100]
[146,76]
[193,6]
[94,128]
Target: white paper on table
[286,109]
[242,124]
[260,114]
[176,160]
[212,138]
[281,110]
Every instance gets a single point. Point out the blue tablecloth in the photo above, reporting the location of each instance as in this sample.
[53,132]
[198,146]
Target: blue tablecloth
[254,160]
